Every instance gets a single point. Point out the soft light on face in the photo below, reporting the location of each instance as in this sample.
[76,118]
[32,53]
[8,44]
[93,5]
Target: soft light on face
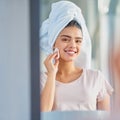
[69,42]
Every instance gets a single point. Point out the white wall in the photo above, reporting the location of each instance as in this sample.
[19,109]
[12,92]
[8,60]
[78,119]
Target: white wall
[14,60]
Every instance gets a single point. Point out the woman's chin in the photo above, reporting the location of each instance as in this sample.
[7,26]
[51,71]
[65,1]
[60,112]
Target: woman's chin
[68,59]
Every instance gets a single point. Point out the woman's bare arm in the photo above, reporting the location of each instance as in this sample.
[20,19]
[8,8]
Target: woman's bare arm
[47,95]
[48,92]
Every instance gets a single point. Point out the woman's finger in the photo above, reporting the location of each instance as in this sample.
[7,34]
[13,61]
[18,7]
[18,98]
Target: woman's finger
[56,62]
[53,56]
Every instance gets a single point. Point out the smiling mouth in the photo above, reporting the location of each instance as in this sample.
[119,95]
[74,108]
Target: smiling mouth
[71,52]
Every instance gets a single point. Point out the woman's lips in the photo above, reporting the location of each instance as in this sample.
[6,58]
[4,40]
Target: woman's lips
[70,52]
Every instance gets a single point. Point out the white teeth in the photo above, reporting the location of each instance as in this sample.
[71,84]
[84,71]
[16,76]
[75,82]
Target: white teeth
[71,52]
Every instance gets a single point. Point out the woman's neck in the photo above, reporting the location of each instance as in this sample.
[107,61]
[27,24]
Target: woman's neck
[68,72]
[66,68]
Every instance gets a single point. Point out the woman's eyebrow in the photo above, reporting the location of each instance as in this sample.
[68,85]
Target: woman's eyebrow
[65,36]
[78,37]
[70,36]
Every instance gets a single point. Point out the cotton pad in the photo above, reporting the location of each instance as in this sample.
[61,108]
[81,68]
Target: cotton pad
[57,50]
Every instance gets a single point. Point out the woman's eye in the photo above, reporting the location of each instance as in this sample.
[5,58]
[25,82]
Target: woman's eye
[65,40]
[78,41]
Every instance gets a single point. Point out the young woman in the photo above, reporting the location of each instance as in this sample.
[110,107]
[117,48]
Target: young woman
[65,86]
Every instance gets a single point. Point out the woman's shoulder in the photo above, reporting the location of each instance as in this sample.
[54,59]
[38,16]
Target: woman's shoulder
[92,72]
[94,76]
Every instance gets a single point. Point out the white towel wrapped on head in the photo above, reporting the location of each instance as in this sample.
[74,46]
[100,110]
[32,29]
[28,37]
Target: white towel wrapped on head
[61,14]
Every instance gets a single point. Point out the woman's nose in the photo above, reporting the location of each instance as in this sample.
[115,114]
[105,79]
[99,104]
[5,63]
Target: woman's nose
[72,44]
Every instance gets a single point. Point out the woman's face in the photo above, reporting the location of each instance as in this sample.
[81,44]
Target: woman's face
[69,43]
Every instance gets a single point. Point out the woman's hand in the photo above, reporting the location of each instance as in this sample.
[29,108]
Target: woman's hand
[51,63]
